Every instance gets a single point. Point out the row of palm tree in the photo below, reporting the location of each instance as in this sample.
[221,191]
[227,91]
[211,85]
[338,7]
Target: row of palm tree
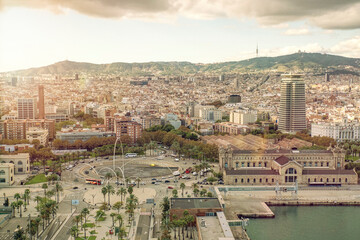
[180,225]
[19,203]
[109,190]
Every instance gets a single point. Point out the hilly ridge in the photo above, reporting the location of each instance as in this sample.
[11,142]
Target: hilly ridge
[306,62]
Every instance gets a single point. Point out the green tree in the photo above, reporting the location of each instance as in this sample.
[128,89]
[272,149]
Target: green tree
[118,206]
[110,191]
[104,192]
[44,186]
[58,189]
[182,186]
[122,192]
[74,231]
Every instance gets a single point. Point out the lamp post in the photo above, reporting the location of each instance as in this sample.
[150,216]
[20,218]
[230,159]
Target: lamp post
[122,156]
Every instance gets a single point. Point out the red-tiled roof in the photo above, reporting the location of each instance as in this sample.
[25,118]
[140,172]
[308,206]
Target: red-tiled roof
[251,172]
[328,172]
[282,160]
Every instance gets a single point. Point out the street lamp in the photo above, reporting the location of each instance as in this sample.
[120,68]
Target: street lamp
[122,156]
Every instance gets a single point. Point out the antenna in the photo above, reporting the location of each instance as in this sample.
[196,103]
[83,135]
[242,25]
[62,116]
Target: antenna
[257,50]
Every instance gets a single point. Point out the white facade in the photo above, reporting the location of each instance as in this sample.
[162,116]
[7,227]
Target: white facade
[210,113]
[40,134]
[6,174]
[243,117]
[338,131]
[21,162]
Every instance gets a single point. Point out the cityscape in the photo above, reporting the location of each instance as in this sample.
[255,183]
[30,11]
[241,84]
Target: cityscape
[131,120]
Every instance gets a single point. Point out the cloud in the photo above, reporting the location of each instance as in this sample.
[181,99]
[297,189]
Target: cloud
[327,14]
[297,31]
[349,47]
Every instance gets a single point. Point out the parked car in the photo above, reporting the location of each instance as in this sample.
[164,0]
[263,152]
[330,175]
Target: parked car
[170,187]
[167,181]
[157,183]
[153,182]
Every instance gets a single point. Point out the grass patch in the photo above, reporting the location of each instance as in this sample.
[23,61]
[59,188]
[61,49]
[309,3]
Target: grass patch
[88,238]
[352,158]
[100,219]
[89,225]
[40,178]
[93,232]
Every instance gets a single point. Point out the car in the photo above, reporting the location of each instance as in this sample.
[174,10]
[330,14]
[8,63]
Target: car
[153,179]
[194,163]
[176,159]
[170,187]
[157,183]
[221,183]
[167,181]
[142,183]
[159,180]
[75,187]
[153,182]
[194,173]
[163,177]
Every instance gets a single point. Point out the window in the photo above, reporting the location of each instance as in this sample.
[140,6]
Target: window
[339,179]
[327,164]
[322,164]
[253,164]
[226,165]
[338,164]
[2,172]
[320,179]
[265,164]
[260,180]
[254,181]
[310,164]
[237,165]
[266,180]
[272,180]
[242,180]
[248,180]
[314,179]
[316,164]
[2,180]
[235,180]
[308,180]
[248,164]
[333,179]
[20,163]
[242,164]
[304,164]
[290,171]
[327,180]
[345,179]
[20,169]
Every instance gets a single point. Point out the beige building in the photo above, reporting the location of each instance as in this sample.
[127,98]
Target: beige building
[245,167]
[21,162]
[40,134]
[243,117]
[6,174]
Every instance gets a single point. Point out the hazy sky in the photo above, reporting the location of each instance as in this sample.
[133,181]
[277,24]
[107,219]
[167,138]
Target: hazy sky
[41,32]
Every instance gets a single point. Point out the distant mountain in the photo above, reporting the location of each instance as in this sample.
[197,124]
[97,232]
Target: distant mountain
[306,62]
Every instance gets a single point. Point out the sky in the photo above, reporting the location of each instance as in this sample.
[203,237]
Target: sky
[36,33]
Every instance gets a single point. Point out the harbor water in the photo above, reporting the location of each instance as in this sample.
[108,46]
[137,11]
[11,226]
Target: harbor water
[308,223]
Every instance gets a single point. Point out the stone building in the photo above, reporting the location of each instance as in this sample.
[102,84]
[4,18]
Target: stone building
[285,167]
[6,174]
[21,162]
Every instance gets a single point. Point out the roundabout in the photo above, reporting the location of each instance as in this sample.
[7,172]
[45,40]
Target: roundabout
[132,168]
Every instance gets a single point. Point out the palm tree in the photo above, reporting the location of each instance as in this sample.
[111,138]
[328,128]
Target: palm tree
[44,186]
[14,205]
[119,218]
[122,192]
[77,220]
[110,191]
[117,176]
[38,199]
[74,231]
[182,186]
[138,181]
[27,194]
[108,176]
[104,192]
[17,196]
[131,203]
[58,189]
[99,214]
[196,192]
[85,212]
[130,190]
[174,193]
[117,206]
[203,192]
[20,203]
[112,215]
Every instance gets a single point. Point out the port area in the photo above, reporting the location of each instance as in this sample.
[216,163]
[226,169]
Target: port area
[255,204]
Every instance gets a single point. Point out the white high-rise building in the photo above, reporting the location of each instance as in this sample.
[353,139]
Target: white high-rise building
[292,104]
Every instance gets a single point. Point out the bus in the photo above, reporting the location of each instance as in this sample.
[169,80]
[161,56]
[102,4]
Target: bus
[93,181]
[130,155]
